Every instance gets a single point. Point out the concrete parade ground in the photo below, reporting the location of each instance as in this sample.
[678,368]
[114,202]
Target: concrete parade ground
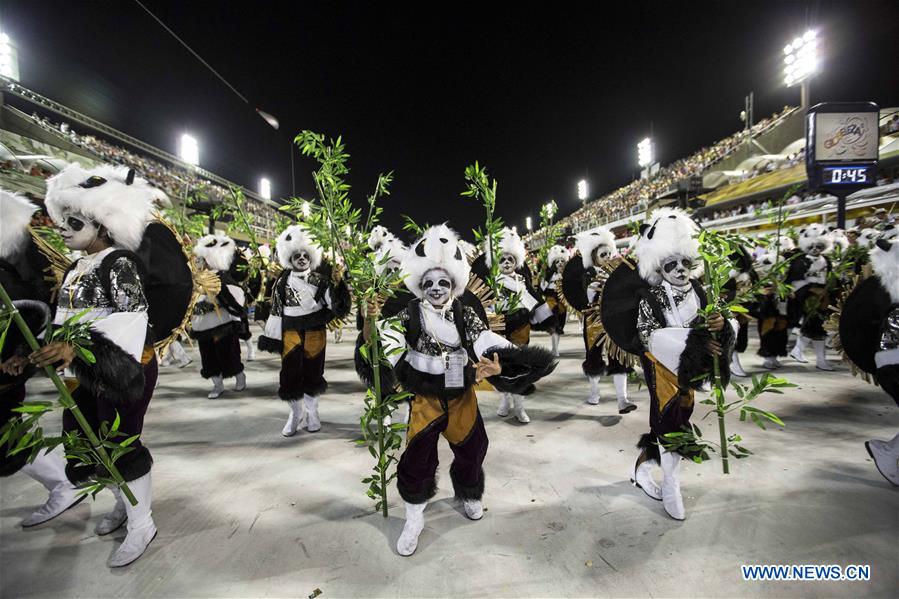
[245,512]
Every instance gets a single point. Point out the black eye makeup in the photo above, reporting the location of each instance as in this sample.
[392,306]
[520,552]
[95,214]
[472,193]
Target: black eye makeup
[74,223]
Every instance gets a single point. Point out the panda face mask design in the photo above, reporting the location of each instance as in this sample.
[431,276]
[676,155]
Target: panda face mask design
[78,232]
[676,270]
[601,254]
[300,261]
[507,264]
[817,248]
[437,286]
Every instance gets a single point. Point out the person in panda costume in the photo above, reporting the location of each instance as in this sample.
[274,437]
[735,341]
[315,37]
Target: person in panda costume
[678,346]
[869,333]
[305,299]
[772,322]
[597,248]
[808,276]
[522,306]
[742,277]
[103,213]
[444,350]
[218,322]
[556,259]
[22,273]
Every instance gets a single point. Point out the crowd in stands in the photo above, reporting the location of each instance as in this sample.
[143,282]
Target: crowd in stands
[174,180]
[634,197]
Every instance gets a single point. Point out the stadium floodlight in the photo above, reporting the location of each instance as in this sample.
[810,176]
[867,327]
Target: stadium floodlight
[265,188]
[528,224]
[582,190]
[307,209]
[9,58]
[644,152]
[190,150]
[801,62]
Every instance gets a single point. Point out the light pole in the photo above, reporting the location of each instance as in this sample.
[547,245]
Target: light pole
[582,191]
[265,188]
[801,63]
[9,58]
[189,150]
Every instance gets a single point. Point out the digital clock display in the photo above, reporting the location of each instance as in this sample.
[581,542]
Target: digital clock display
[848,175]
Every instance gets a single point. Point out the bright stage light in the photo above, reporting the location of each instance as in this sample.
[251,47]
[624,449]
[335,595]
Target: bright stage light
[527,223]
[801,58]
[189,150]
[582,190]
[644,152]
[9,58]
[265,188]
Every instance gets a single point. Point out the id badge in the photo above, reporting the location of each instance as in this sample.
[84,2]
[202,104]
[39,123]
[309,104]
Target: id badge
[454,364]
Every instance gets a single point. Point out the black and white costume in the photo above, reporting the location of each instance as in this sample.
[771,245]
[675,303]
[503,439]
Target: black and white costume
[869,334]
[22,273]
[556,258]
[304,300]
[109,285]
[521,305]
[433,357]
[668,331]
[808,306]
[597,250]
[771,311]
[219,321]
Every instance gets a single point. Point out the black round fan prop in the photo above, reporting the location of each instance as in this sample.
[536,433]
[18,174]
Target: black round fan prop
[620,304]
[860,319]
[573,284]
[169,281]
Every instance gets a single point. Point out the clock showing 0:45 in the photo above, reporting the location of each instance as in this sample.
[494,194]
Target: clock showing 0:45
[848,175]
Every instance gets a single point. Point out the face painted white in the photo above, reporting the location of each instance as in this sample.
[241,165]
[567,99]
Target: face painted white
[78,231]
[817,248]
[507,264]
[437,286]
[300,261]
[601,253]
[560,266]
[676,270]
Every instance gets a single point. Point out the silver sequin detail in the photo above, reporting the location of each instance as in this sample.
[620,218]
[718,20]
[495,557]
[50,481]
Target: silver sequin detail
[889,339]
[87,291]
[474,327]
[646,320]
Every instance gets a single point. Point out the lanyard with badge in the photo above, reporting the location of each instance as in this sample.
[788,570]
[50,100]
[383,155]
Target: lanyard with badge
[454,361]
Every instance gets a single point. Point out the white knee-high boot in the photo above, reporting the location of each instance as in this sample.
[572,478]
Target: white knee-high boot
[886,457]
[251,349]
[114,519]
[176,351]
[736,368]
[49,469]
[240,381]
[218,387]
[624,406]
[505,404]
[798,352]
[643,479]
[554,337]
[141,528]
[821,362]
[593,399]
[294,419]
[672,500]
[415,523]
[313,423]
[519,409]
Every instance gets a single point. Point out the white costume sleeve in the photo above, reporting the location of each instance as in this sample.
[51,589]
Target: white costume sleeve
[667,345]
[489,340]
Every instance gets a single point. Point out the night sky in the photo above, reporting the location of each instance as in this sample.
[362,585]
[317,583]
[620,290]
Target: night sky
[542,96]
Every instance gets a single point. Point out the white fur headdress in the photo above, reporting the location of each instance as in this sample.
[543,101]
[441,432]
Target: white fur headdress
[588,241]
[510,243]
[379,234]
[469,249]
[109,195]
[556,253]
[838,239]
[667,232]
[293,239]
[867,237]
[217,251]
[15,214]
[437,248]
[813,234]
[886,262]
[391,250]
[786,243]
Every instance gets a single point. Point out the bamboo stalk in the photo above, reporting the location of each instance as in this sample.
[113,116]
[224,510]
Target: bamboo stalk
[719,392]
[374,352]
[67,401]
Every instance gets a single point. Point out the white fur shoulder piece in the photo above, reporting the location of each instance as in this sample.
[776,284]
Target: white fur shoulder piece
[15,216]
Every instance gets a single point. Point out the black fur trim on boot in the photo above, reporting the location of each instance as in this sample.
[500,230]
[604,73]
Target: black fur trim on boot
[132,465]
[429,490]
[9,465]
[78,473]
[473,492]
[115,377]
[649,446]
[316,390]
[522,367]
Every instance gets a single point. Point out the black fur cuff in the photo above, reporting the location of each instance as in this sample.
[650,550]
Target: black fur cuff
[389,383]
[696,363]
[522,367]
[267,344]
[650,446]
[115,377]
[475,491]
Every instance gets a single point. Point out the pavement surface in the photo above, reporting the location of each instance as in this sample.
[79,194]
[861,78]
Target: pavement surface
[245,512]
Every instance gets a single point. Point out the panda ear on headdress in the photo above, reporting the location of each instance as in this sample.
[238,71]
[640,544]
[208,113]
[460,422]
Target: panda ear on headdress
[644,228]
[129,179]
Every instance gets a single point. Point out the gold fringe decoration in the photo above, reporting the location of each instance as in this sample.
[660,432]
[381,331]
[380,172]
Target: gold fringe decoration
[497,322]
[59,262]
[595,329]
[833,325]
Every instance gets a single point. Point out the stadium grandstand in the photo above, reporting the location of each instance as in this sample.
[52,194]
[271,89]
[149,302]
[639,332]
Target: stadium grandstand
[39,137]
[735,183]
